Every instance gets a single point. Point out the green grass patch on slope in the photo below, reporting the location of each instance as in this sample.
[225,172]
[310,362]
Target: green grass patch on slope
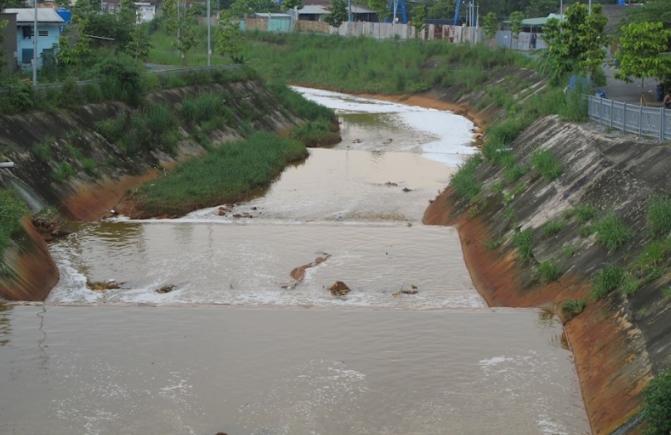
[229,173]
[12,209]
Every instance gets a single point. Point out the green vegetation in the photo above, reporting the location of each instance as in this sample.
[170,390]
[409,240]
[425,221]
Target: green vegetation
[611,231]
[569,251]
[12,209]
[226,174]
[629,284]
[63,172]
[466,186]
[641,46]
[657,409]
[552,228]
[493,244]
[606,280]
[548,271]
[659,216]
[317,133]
[546,164]
[582,212]
[523,241]
[572,307]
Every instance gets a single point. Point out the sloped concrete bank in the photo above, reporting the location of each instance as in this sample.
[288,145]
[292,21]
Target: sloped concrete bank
[42,143]
[619,342]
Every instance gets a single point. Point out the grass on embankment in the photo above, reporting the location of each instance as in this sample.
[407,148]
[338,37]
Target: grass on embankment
[228,173]
[12,209]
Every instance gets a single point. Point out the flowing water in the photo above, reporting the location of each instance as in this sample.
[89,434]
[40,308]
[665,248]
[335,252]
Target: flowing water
[284,356]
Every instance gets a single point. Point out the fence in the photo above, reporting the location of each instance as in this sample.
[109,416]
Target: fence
[630,118]
[156,72]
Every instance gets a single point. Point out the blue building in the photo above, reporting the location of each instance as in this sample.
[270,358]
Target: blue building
[48,31]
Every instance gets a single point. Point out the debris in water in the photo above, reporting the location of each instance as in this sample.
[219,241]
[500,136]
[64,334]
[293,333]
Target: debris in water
[339,288]
[166,289]
[390,184]
[298,274]
[409,292]
[387,142]
[357,141]
[98,286]
[406,190]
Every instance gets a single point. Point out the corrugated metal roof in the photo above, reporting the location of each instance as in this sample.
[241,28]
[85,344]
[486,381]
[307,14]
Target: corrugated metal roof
[265,15]
[44,15]
[541,21]
[313,10]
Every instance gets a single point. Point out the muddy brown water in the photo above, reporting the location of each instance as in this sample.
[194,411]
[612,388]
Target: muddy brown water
[229,349]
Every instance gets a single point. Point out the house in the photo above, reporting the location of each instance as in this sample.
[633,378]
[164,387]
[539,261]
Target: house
[146,10]
[48,31]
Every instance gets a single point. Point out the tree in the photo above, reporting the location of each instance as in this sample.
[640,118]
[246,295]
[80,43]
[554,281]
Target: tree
[652,11]
[229,37]
[288,5]
[577,43]
[128,12]
[139,45]
[515,25]
[491,25]
[641,45]
[242,8]
[418,14]
[442,10]
[541,8]
[380,8]
[180,23]
[338,14]
[3,61]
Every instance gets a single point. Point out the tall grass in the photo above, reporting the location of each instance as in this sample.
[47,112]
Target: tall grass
[523,241]
[464,182]
[659,216]
[606,280]
[12,209]
[226,174]
[612,231]
[546,164]
[301,106]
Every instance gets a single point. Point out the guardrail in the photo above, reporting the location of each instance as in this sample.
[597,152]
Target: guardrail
[154,72]
[631,118]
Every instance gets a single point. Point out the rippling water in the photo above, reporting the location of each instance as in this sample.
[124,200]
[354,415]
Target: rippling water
[296,360]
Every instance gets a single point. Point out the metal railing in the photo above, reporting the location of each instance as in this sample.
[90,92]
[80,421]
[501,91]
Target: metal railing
[152,73]
[631,118]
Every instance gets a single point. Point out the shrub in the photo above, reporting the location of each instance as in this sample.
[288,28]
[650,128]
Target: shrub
[611,231]
[523,242]
[76,153]
[552,228]
[12,209]
[90,167]
[606,280]
[657,400]
[659,216]
[113,129]
[465,184]
[584,213]
[572,307]
[629,284]
[63,172]
[546,164]
[548,271]
[316,133]
[569,251]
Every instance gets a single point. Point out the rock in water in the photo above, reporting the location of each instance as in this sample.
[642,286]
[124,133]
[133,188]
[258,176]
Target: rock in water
[339,288]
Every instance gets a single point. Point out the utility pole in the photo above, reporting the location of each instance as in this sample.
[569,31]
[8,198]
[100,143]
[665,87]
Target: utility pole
[590,7]
[35,47]
[209,48]
[393,21]
[349,21]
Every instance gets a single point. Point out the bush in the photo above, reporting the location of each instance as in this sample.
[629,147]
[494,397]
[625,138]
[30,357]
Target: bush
[546,164]
[12,209]
[113,129]
[659,216]
[465,184]
[523,242]
[90,167]
[302,107]
[316,133]
[657,400]
[606,280]
[611,231]
[548,271]
[119,81]
[552,228]
[63,172]
[572,307]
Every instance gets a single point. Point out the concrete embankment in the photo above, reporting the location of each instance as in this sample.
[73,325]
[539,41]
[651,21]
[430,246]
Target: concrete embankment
[619,341]
[63,160]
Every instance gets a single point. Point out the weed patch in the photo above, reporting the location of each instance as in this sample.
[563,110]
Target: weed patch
[606,280]
[466,186]
[659,216]
[611,231]
[572,307]
[548,271]
[552,228]
[523,242]
[546,164]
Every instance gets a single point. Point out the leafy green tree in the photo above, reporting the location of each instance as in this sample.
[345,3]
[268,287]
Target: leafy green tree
[181,24]
[516,24]
[490,25]
[418,14]
[652,11]
[139,45]
[288,5]
[640,56]
[74,46]
[577,44]
[541,8]
[338,14]
[230,39]
[128,12]
[657,410]
[380,8]
[442,10]
[243,8]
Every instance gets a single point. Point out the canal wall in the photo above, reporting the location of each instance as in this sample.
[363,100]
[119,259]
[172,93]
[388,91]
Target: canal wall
[620,341]
[64,161]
